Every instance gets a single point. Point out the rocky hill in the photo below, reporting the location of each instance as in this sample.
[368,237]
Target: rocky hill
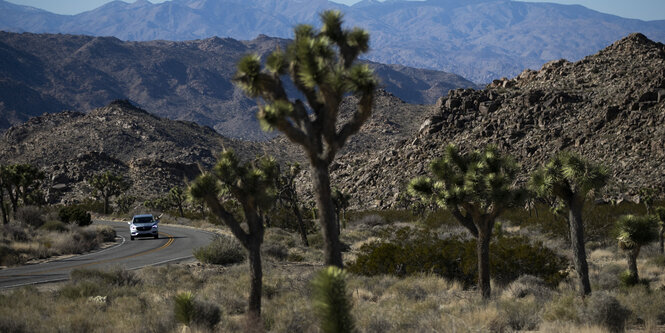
[179,80]
[609,107]
[154,153]
[479,39]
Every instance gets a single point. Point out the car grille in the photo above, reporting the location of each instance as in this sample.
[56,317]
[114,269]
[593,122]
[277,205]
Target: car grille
[143,228]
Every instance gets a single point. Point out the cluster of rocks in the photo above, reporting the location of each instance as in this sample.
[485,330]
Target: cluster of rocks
[608,107]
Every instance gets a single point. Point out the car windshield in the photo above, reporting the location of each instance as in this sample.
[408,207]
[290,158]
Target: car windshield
[145,219]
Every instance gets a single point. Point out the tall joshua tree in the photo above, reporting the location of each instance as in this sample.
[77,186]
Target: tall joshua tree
[177,197]
[476,187]
[565,181]
[321,65]
[106,185]
[660,214]
[252,185]
[635,232]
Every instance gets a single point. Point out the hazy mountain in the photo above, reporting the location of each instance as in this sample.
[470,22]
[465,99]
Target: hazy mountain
[480,39]
[44,73]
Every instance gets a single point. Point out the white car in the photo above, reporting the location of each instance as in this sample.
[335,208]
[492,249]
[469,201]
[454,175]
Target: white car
[144,225]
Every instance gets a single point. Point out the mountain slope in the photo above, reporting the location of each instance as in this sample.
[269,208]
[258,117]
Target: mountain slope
[154,153]
[608,107]
[480,39]
[43,73]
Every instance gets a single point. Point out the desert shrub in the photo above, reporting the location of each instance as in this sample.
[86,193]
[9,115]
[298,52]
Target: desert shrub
[15,232]
[658,260]
[370,220]
[75,214]
[223,250]
[609,277]
[206,314]
[315,240]
[438,218]
[277,251]
[30,215]
[56,226]
[527,285]
[91,205]
[605,310]
[411,252]
[8,256]
[565,307]
[279,236]
[646,305]
[283,217]
[106,233]
[518,314]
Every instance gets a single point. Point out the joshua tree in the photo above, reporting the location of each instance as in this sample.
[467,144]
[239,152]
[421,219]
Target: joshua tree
[253,186]
[177,198]
[321,65]
[341,203]
[635,232]
[287,192]
[107,184]
[3,208]
[476,188]
[21,182]
[660,213]
[565,181]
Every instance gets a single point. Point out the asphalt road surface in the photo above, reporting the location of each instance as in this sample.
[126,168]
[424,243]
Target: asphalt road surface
[174,244]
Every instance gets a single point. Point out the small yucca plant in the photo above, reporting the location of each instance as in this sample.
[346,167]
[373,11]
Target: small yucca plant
[183,308]
[331,303]
[635,232]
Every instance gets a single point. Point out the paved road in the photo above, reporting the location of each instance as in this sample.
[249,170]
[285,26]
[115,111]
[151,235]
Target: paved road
[174,244]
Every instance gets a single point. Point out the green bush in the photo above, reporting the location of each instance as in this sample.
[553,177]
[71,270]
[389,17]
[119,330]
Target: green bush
[223,250]
[106,233]
[183,308]
[54,226]
[191,312]
[75,214]
[412,252]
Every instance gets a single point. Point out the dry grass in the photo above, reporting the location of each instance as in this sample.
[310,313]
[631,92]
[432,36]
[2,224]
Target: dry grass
[423,303]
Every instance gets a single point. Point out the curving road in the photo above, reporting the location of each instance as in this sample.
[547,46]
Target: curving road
[174,244]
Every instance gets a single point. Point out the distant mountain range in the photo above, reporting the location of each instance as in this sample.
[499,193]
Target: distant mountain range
[191,80]
[479,39]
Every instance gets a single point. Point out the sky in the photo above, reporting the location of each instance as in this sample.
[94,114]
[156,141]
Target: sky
[639,9]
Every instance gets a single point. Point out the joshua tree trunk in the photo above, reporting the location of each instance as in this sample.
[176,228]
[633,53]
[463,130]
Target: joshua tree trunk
[483,251]
[661,240]
[631,255]
[106,204]
[3,209]
[301,224]
[256,276]
[321,179]
[577,242]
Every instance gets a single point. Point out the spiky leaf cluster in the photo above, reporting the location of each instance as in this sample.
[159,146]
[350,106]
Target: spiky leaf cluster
[321,65]
[636,231]
[483,178]
[566,176]
[248,182]
[331,302]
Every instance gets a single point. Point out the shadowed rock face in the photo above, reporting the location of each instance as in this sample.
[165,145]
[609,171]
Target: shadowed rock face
[481,40]
[178,80]
[608,107]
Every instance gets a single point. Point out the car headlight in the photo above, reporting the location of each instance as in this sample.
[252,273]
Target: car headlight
[133,227]
[154,226]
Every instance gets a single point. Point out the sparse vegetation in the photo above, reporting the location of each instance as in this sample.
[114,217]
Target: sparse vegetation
[223,250]
[106,185]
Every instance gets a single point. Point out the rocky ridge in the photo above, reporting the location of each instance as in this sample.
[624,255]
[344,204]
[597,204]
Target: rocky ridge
[608,107]
[153,153]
